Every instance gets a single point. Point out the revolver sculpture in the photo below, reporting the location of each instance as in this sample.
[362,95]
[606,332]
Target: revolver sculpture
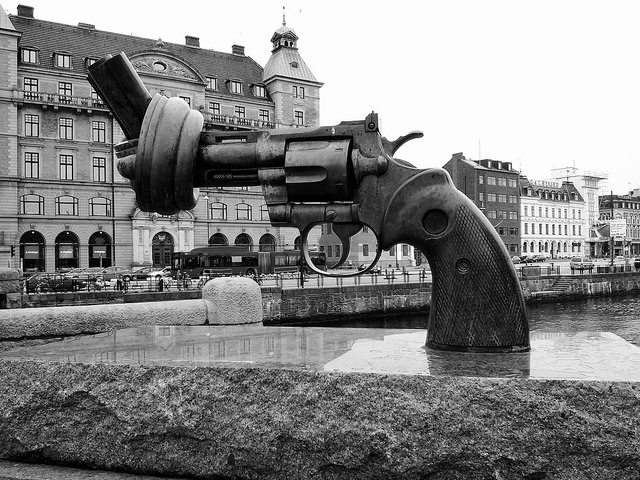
[345,175]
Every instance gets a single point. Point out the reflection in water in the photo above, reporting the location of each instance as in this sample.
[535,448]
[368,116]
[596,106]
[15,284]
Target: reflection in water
[557,355]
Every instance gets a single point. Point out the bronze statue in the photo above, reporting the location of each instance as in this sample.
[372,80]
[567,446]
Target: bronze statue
[344,175]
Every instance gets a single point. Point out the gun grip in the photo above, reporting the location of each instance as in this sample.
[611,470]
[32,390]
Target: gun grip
[477,302]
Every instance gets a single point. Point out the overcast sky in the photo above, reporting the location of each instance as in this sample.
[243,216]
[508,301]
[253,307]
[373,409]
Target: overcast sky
[542,84]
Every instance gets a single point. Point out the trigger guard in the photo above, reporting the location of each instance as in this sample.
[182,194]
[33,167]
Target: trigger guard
[307,258]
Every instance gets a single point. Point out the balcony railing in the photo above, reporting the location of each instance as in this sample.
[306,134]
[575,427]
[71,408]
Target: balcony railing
[213,119]
[57,99]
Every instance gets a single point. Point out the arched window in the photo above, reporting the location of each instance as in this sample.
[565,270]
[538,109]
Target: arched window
[264,213]
[66,205]
[31,205]
[99,207]
[218,211]
[244,239]
[32,251]
[267,243]
[100,250]
[243,211]
[298,243]
[67,250]
[218,239]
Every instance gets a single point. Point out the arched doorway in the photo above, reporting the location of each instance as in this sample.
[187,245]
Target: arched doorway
[244,239]
[67,250]
[267,243]
[162,249]
[100,250]
[32,249]
[218,239]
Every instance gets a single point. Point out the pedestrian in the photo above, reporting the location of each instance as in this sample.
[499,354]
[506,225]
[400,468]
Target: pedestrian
[301,268]
[161,284]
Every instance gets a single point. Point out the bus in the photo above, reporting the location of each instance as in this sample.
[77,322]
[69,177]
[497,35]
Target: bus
[219,260]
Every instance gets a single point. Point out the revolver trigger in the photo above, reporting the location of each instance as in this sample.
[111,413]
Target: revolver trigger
[391,147]
[345,231]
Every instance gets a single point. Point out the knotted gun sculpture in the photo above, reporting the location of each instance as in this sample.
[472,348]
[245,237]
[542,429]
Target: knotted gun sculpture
[344,175]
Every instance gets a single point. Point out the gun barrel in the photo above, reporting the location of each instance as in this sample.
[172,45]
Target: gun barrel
[119,85]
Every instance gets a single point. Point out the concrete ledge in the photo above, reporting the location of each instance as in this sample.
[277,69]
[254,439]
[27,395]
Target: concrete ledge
[281,424]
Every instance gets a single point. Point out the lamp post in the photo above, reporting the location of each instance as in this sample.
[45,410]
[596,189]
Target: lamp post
[206,197]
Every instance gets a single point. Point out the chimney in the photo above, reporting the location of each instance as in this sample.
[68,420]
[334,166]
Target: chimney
[237,50]
[25,11]
[190,41]
[86,26]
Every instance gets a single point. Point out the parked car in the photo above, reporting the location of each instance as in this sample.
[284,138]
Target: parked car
[112,273]
[581,264]
[53,282]
[375,270]
[619,259]
[516,259]
[151,271]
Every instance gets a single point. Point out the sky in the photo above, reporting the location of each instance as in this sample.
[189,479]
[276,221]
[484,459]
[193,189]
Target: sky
[543,84]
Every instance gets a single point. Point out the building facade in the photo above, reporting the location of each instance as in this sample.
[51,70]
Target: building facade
[494,187]
[625,209]
[553,219]
[64,204]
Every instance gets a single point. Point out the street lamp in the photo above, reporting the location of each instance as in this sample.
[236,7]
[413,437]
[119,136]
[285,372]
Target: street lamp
[206,197]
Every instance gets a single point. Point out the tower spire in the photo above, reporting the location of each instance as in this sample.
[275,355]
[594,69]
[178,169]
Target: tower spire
[284,22]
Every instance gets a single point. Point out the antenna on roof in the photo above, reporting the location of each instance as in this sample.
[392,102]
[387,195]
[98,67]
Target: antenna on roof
[284,22]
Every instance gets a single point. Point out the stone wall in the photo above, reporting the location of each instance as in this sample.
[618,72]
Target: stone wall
[283,306]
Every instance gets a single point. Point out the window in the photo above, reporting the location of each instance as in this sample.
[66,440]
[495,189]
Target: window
[96,101]
[66,167]
[526,210]
[32,165]
[243,211]
[218,211]
[31,125]
[502,198]
[239,111]
[66,128]
[299,117]
[65,90]
[546,229]
[31,205]
[481,179]
[405,249]
[492,197]
[329,250]
[235,86]
[99,207]
[212,83]
[526,228]
[98,132]
[259,91]
[89,61]
[502,182]
[264,115]
[365,250]
[513,199]
[264,212]
[513,215]
[214,107]
[491,180]
[513,183]
[62,60]
[492,214]
[66,205]
[298,92]
[187,100]
[337,250]
[99,169]
[30,88]
[29,55]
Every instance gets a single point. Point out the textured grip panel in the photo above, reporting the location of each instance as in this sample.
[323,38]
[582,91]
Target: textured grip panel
[477,301]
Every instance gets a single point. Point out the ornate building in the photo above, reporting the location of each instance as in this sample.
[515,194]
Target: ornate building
[553,219]
[63,203]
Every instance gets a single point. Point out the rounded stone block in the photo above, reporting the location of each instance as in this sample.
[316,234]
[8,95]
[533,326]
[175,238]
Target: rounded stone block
[232,301]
